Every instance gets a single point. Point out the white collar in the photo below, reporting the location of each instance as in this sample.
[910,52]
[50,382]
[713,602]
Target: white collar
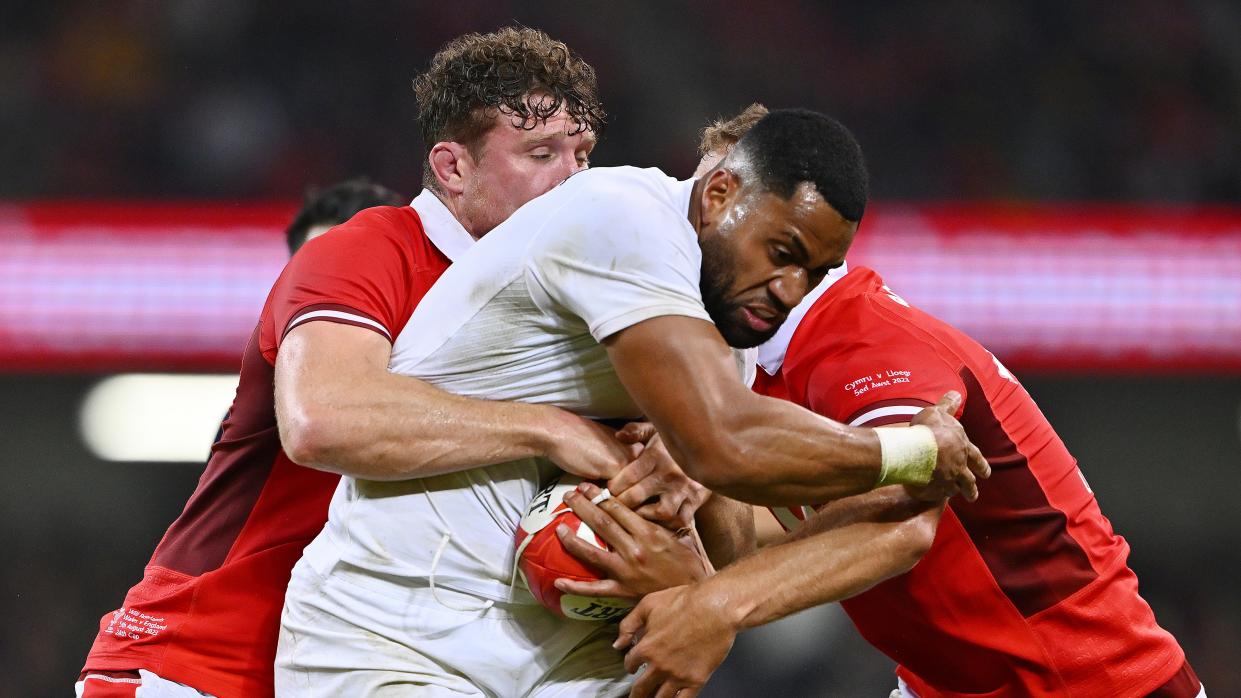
[771,353]
[441,227]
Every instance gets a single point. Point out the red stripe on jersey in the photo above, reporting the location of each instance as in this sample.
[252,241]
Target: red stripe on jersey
[1023,539]
[297,319]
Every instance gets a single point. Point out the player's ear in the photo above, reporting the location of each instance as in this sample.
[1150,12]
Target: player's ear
[718,193]
[451,164]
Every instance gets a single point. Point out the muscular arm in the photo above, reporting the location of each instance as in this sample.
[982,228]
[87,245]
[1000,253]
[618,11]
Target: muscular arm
[683,633]
[841,552]
[339,409]
[748,447]
[726,528]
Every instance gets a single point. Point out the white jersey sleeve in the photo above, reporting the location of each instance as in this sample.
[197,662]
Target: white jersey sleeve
[625,254]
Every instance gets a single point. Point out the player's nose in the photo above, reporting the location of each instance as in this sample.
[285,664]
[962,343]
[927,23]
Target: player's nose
[788,289]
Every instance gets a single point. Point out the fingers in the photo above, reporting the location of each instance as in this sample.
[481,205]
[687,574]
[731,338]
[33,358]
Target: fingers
[602,587]
[670,689]
[658,512]
[600,521]
[647,682]
[672,509]
[652,681]
[580,549]
[978,464]
[635,473]
[685,515]
[978,467]
[636,432]
[635,657]
[630,627]
[668,505]
[968,485]
[950,402]
[611,512]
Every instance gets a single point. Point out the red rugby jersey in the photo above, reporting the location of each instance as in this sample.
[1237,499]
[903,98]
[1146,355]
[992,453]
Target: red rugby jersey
[207,611]
[1025,592]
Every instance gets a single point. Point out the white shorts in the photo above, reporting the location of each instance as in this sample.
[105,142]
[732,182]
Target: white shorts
[147,685]
[351,633]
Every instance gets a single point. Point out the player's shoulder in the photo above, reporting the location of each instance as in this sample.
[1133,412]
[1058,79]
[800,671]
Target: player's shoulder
[862,347]
[858,304]
[617,212]
[398,223]
[376,233]
[625,186]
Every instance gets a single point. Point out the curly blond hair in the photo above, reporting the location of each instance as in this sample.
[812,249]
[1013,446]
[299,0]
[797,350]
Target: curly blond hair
[519,71]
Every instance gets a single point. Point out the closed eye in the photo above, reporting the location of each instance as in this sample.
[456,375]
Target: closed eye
[781,255]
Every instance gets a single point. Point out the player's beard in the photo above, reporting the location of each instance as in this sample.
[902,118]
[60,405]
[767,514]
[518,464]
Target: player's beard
[718,263]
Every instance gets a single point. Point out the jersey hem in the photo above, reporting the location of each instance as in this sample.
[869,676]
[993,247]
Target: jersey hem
[603,329]
[1151,681]
[208,682]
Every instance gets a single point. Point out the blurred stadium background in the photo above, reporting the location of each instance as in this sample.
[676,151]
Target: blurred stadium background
[1061,179]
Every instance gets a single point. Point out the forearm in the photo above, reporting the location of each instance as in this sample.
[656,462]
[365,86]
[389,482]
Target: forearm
[339,409]
[745,446]
[884,505]
[822,563]
[786,455]
[395,427]
[726,528]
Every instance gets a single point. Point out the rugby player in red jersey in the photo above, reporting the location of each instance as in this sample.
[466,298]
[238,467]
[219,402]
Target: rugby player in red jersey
[505,117]
[327,208]
[1024,592]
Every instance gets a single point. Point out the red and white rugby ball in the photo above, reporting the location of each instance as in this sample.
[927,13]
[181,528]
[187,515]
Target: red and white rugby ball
[542,559]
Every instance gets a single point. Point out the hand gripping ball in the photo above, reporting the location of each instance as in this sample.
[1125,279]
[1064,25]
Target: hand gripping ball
[542,559]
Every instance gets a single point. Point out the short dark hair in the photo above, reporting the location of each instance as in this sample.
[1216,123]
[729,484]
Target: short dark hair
[791,146]
[514,70]
[337,204]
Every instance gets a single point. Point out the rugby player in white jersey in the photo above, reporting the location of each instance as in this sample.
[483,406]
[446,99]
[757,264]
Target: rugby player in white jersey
[616,295]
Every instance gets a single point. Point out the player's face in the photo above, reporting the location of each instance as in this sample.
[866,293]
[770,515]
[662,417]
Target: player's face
[762,254]
[515,165]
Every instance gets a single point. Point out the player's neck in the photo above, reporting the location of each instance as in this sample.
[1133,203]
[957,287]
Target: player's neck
[454,205]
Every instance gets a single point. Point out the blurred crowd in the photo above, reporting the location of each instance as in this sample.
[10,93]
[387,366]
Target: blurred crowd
[961,100]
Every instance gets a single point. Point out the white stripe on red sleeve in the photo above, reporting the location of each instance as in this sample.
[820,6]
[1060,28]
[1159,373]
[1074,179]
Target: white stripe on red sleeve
[887,411]
[338,315]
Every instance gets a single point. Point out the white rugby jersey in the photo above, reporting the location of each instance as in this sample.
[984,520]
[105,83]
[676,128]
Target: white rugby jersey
[520,317]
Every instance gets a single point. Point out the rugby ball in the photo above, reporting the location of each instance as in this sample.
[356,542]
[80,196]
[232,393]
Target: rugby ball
[542,559]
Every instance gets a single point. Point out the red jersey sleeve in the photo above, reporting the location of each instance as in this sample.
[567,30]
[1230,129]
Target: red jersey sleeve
[885,377]
[359,274]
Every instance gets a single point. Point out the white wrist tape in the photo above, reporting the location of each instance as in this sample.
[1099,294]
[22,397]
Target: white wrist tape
[908,455]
